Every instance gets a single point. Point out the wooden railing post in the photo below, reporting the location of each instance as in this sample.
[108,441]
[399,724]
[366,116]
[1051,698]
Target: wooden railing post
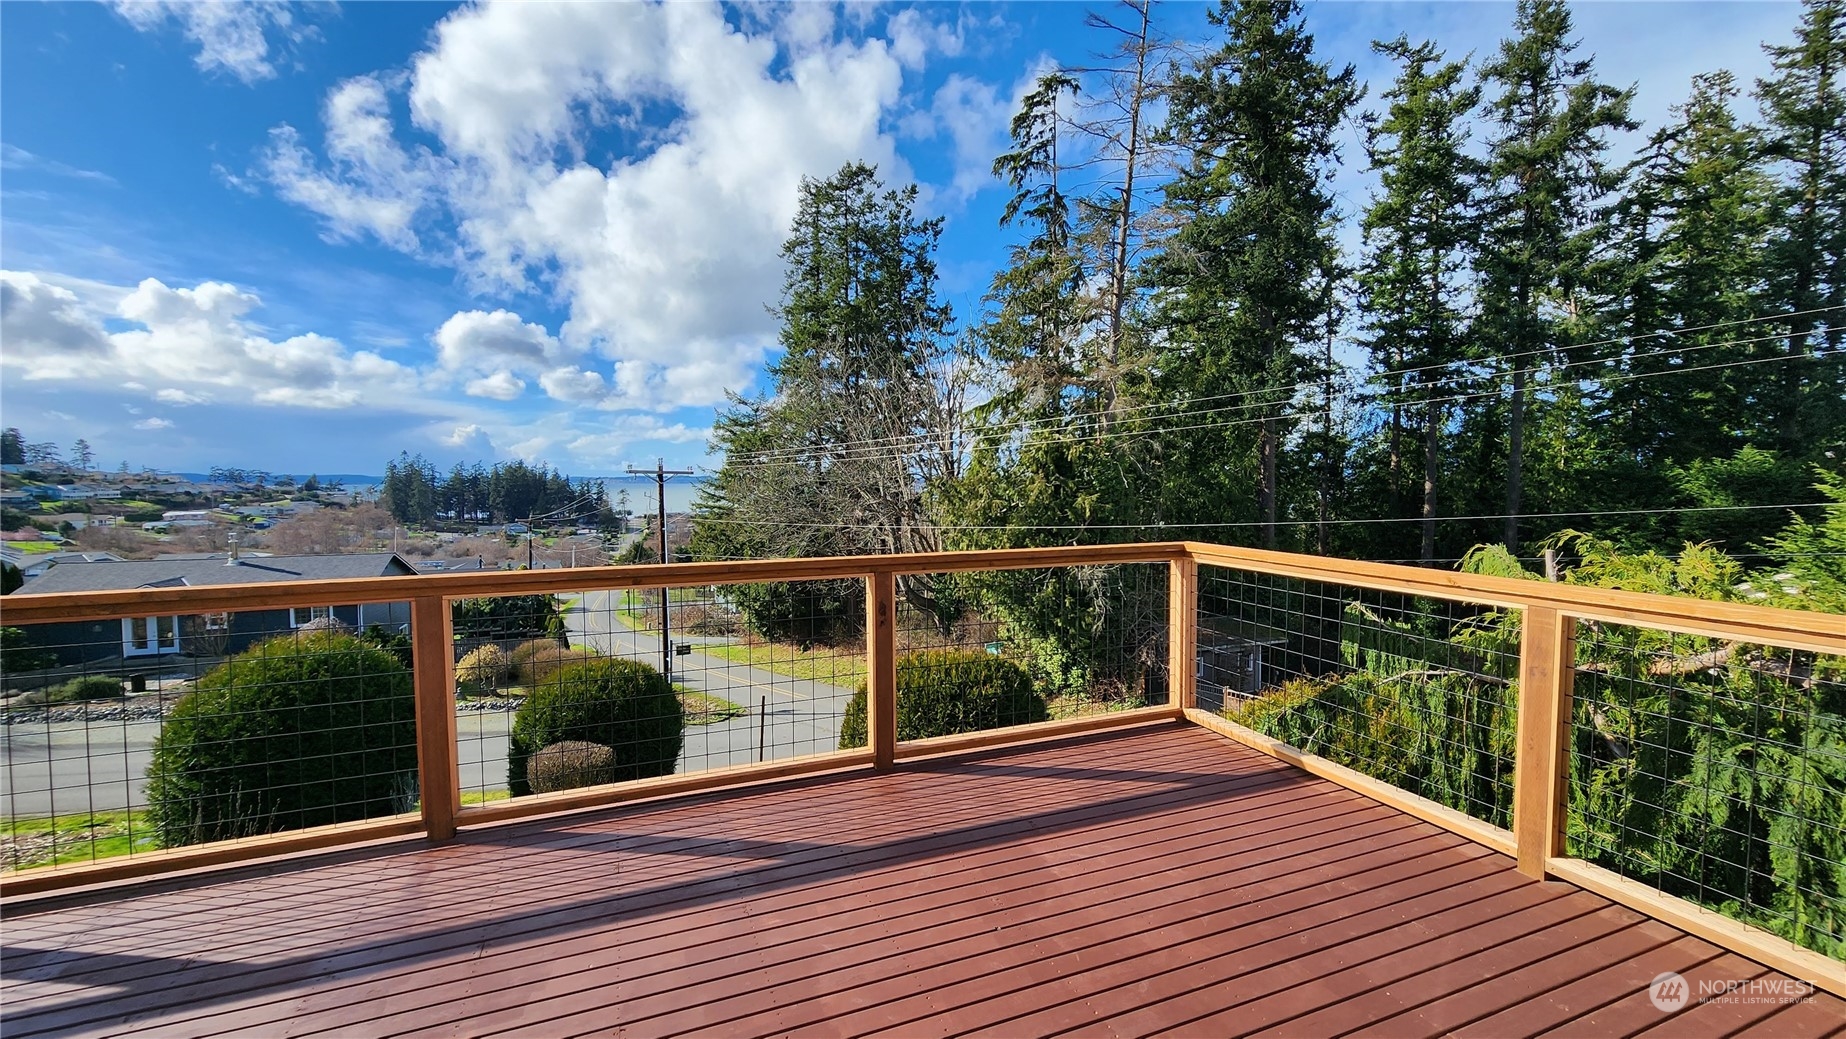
[1547,663]
[1182,632]
[432,634]
[881,667]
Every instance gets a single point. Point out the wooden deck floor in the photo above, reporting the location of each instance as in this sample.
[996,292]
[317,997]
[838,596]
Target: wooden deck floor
[1161,880]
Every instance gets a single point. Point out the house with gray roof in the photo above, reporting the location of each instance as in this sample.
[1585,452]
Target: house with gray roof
[134,640]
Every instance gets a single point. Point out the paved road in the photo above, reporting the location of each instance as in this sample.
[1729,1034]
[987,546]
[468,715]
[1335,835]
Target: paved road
[794,716]
[71,767]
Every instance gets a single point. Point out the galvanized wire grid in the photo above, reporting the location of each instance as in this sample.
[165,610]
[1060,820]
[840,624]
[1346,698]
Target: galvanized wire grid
[988,650]
[1419,693]
[1714,771]
[124,736]
[747,674]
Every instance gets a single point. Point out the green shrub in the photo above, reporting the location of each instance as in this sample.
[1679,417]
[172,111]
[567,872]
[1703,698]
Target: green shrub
[807,613]
[944,692]
[77,690]
[571,764]
[484,667]
[506,616]
[17,653]
[624,705]
[298,731]
[396,643]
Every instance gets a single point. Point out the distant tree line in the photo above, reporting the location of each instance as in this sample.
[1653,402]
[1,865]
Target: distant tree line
[415,492]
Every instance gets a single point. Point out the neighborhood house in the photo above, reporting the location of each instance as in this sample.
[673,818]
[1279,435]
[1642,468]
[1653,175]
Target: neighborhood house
[210,634]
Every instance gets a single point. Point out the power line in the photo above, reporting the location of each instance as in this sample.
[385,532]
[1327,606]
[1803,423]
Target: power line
[1164,527]
[1285,393]
[1076,435]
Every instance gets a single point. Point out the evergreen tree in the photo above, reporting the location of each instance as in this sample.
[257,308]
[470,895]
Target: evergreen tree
[12,447]
[1804,111]
[865,407]
[1237,279]
[1419,239]
[1691,227]
[1545,173]
[82,455]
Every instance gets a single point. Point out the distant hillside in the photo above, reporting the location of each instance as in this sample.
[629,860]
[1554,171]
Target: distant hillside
[349,479]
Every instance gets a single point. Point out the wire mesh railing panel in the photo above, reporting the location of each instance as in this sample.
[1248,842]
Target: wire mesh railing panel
[1419,693]
[562,692]
[128,735]
[1714,771]
[992,649]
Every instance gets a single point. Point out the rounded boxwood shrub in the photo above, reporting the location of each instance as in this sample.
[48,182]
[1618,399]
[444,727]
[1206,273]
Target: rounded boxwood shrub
[624,705]
[295,732]
[571,764]
[945,692]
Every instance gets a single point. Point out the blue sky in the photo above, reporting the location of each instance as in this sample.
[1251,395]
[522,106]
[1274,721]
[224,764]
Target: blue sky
[305,237]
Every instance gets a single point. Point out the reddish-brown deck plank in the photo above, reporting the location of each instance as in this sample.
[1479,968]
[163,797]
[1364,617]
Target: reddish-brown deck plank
[661,942]
[366,959]
[1130,883]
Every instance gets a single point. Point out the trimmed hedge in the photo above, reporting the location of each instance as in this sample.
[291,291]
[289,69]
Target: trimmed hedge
[77,690]
[624,705]
[295,732]
[569,765]
[945,692]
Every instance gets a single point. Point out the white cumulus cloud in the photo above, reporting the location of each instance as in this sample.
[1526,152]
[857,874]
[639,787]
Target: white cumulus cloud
[665,255]
[498,386]
[197,341]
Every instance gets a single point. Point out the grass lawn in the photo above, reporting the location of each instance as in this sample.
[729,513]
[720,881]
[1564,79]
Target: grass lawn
[835,666]
[1062,707]
[705,710]
[34,546]
[77,838]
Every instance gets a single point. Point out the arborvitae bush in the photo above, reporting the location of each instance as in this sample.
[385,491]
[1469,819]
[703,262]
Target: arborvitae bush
[944,692]
[298,731]
[571,764]
[624,705]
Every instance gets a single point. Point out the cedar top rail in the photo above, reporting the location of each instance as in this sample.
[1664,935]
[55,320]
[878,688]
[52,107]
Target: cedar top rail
[1795,629]
[1547,664]
[77,606]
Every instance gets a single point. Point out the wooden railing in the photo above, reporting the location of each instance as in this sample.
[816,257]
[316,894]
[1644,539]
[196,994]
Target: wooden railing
[1547,663]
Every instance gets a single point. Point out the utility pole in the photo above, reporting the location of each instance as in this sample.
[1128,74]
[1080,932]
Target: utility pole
[661,472]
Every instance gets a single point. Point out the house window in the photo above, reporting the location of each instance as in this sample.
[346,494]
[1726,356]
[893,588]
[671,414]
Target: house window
[300,615]
[212,623]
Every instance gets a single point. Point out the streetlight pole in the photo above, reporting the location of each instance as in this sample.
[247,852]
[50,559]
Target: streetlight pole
[661,472]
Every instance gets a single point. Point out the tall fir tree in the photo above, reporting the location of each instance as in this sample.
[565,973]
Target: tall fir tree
[1690,231]
[1420,240]
[864,413]
[1804,133]
[1546,171]
[1238,279]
